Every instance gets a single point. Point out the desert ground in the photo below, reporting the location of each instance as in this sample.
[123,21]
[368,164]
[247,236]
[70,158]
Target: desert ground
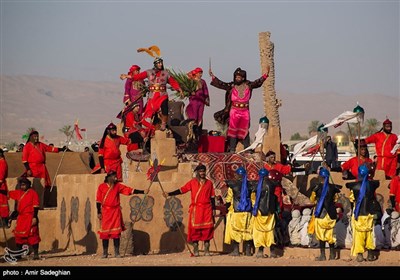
[298,257]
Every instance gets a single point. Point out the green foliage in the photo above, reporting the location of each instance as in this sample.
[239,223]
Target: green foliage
[297,136]
[313,127]
[67,130]
[187,85]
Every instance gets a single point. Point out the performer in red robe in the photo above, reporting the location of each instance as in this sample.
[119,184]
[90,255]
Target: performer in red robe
[27,227]
[34,158]
[394,193]
[133,89]
[109,210]
[354,163]
[157,78]
[109,153]
[135,128]
[201,209]
[384,141]
[4,209]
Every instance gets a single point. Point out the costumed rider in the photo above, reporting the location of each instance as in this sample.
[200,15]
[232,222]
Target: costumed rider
[363,197]
[325,214]
[265,212]
[239,219]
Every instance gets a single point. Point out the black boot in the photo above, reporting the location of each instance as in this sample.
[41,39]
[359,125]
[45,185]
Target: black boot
[273,253]
[371,256]
[196,248]
[207,248]
[105,248]
[247,248]
[116,247]
[235,251]
[260,253]
[332,252]
[36,251]
[232,144]
[322,257]
[360,257]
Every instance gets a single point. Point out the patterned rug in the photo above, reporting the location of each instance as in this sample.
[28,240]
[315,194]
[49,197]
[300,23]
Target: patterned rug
[222,166]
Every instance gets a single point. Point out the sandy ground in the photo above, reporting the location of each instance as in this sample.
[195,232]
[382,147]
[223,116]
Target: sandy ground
[291,257]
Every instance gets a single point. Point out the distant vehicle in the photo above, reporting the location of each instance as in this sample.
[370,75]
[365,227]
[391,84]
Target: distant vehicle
[316,160]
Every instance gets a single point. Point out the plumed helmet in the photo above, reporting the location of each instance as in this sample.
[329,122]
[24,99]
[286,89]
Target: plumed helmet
[296,213]
[263,172]
[241,170]
[275,175]
[387,121]
[324,172]
[363,170]
[240,72]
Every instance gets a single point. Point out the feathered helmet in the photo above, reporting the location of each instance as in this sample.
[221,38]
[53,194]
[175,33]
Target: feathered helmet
[153,51]
[387,121]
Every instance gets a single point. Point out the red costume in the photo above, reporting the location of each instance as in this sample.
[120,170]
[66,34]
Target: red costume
[395,191]
[353,164]
[24,232]
[112,155]
[111,222]
[35,156]
[4,210]
[384,143]
[200,224]
[284,169]
[158,80]
[133,124]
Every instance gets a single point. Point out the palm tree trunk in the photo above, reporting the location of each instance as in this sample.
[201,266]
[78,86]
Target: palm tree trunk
[272,139]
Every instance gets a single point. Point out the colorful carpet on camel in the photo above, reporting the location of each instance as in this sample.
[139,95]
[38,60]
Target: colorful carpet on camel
[222,166]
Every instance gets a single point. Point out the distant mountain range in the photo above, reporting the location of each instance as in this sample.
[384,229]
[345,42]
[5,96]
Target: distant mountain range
[48,104]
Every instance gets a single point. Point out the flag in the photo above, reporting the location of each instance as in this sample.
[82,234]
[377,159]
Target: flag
[77,131]
[305,145]
[348,116]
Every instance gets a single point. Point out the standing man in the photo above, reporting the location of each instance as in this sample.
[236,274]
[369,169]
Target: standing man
[34,158]
[198,99]
[133,89]
[362,222]
[331,153]
[265,212]
[4,209]
[201,209]
[239,219]
[384,141]
[394,193]
[157,78]
[109,152]
[325,195]
[27,226]
[109,210]
[240,91]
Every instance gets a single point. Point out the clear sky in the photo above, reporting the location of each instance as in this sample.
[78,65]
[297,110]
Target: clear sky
[348,47]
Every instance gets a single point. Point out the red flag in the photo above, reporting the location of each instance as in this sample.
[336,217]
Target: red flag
[77,131]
